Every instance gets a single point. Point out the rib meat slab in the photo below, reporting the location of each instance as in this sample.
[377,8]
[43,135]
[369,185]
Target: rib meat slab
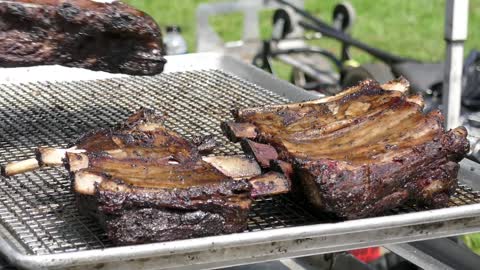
[147,183]
[367,150]
[111,37]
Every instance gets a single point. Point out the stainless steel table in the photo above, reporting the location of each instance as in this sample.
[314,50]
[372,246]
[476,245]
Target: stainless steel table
[41,227]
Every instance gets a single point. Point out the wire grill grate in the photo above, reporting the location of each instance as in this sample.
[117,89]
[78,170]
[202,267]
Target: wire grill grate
[38,208]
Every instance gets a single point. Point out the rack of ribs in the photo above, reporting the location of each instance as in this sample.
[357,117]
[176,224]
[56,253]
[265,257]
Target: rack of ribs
[112,37]
[362,152]
[146,183]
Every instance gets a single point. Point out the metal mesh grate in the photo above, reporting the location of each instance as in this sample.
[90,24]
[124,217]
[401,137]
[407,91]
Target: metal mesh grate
[38,208]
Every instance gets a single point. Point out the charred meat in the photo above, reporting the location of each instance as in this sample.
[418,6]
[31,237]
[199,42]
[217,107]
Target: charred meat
[150,184]
[359,153]
[110,37]
[146,183]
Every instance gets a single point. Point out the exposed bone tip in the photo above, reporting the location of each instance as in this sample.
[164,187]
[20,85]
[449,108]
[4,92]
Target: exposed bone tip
[49,156]
[18,167]
[271,183]
[236,167]
[237,131]
[76,161]
[263,153]
[84,182]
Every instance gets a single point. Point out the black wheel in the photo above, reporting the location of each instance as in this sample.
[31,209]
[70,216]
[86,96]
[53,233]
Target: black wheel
[344,16]
[281,14]
[377,71]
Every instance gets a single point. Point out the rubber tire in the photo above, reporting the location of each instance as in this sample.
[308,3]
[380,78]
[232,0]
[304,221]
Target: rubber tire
[345,8]
[287,28]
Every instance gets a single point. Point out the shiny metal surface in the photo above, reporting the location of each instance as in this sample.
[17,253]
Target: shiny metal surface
[417,257]
[41,227]
[456,29]
[435,254]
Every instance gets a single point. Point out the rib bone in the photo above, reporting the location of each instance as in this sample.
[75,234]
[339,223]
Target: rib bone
[263,153]
[238,131]
[45,156]
[49,156]
[236,167]
[271,183]
[18,167]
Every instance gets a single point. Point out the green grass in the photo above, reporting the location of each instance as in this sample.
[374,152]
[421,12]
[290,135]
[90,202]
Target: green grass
[408,28]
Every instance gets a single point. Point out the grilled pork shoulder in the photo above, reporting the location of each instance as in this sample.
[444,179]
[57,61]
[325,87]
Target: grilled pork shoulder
[111,37]
[359,153]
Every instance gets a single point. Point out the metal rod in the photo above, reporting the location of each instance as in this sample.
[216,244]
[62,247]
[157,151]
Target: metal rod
[417,257]
[380,54]
[456,23]
[436,254]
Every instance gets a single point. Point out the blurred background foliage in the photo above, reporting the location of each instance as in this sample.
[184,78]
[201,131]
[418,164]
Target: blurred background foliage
[408,28]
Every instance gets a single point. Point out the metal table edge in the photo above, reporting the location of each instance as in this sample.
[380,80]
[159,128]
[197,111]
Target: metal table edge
[266,80]
[187,62]
[211,60]
[233,240]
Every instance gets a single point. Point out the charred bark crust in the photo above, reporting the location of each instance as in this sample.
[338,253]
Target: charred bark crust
[425,177]
[158,225]
[367,150]
[145,183]
[80,33]
[130,218]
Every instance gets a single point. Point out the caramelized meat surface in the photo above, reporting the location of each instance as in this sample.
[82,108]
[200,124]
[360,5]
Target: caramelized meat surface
[141,173]
[141,176]
[367,150]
